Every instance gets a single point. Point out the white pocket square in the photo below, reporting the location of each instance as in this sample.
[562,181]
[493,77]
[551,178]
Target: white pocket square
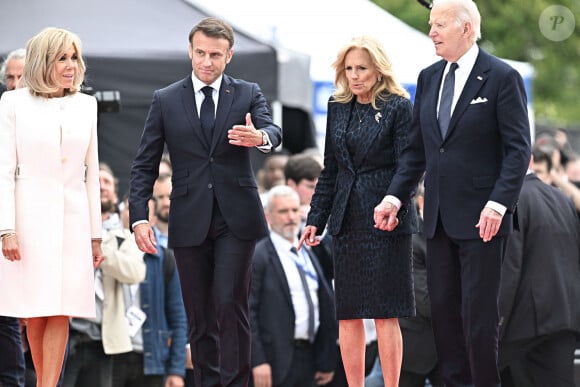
[478,100]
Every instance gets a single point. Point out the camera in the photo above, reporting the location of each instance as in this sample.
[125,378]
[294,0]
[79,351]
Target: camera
[108,101]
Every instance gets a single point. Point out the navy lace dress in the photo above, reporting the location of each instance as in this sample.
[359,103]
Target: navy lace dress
[372,268]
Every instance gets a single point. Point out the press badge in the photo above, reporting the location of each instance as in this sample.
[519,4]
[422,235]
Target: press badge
[135,319]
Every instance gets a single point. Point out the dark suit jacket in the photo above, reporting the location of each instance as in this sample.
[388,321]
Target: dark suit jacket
[419,355]
[272,316]
[540,280]
[369,174]
[202,171]
[484,155]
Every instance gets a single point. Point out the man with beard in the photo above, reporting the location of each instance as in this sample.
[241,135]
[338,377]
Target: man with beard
[294,329]
[161,194]
[109,198]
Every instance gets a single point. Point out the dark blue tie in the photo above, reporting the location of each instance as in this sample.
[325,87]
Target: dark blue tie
[447,100]
[308,298]
[207,113]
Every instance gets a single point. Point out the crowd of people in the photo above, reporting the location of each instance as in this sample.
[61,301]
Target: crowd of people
[432,243]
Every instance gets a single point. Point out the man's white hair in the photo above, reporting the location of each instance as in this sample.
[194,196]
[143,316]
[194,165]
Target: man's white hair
[19,53]
[465,11]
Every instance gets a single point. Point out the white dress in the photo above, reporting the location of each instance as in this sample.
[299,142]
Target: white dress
[49,194]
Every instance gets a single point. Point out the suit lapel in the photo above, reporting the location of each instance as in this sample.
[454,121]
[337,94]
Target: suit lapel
[373,130]
[188,100]
[342,113]
[475,81]
[225,101]
[433,99]
[279,272]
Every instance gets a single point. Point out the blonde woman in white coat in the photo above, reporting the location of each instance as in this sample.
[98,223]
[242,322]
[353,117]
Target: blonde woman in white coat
[50,220]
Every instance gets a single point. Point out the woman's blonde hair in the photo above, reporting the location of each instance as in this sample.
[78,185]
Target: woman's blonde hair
[42,52]
[386,83]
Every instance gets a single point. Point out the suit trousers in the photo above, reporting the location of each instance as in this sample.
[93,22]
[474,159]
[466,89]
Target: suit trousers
[463,282]
[215,282]
[302,368]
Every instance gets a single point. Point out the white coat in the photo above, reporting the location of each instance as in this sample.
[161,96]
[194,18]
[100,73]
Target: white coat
[49,194]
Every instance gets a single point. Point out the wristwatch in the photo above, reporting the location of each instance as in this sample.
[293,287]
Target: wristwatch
[264,138]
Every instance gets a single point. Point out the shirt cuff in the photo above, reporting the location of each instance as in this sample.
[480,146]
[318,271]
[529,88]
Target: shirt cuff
[138,223]
[496,207]
[393,200]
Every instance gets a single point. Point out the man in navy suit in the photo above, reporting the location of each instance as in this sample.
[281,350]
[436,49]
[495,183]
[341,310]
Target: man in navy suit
[473,141]
[283,354]
[209,122]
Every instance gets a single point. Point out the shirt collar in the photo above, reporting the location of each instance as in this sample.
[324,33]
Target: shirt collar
[468,59]
[198,85]
[280,243]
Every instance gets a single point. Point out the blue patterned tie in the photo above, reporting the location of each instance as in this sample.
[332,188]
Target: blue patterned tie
[447,100]
[308,298]
[207,113]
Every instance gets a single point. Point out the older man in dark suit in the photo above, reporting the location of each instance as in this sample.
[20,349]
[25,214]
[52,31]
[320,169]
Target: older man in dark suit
[294,329]
[210,122]
[471,135]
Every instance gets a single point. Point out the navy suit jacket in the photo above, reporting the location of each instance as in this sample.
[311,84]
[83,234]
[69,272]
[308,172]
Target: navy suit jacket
[484,156]
[369,173]
[202,171]
[272,316]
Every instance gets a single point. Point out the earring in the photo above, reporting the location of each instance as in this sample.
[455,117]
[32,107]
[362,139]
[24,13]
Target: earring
[379,78]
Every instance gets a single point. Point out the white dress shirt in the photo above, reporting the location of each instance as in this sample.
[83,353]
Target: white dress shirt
[288,260]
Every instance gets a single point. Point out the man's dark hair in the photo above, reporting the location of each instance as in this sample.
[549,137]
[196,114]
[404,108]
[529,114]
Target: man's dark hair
[302,166]
[540,156]
[214,28]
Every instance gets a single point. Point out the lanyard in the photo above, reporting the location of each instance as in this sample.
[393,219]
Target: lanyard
[295,254]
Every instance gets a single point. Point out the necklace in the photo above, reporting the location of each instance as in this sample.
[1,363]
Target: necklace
[361,114]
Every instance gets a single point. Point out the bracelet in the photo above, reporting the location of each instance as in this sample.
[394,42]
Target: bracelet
[96,240]
[8,235]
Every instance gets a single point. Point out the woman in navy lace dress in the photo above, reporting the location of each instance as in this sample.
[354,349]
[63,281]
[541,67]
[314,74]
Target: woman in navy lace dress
[369,116]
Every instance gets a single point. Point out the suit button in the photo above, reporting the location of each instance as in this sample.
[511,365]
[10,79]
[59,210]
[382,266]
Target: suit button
[441,150]
[211,159]
[210,186]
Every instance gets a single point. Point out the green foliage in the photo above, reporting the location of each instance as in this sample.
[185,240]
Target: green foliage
[510,29]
